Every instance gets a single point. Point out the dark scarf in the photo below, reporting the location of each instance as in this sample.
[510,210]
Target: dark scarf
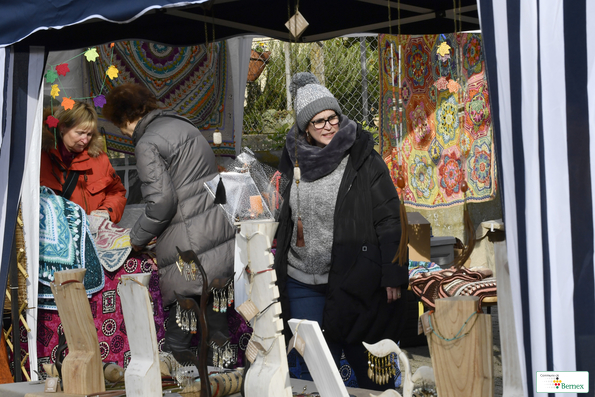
[67,155]
[314,161]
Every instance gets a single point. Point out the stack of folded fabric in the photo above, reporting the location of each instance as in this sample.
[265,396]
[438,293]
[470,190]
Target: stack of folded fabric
[430,286]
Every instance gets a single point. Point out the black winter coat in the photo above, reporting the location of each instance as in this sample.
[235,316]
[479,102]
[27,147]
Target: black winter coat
[367,231]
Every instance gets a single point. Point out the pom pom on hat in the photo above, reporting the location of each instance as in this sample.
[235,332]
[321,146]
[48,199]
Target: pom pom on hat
[310,98]
[300,80]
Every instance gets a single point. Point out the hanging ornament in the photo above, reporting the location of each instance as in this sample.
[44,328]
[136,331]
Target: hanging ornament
[217,140]
[296,24]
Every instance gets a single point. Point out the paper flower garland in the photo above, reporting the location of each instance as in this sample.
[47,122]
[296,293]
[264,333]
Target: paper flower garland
[112,72]
[55,71]
[51,121]
[67,103]
[62,69]
[55,91]
[91,54]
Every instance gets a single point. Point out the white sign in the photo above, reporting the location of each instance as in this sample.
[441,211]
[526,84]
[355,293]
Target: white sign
[562,382]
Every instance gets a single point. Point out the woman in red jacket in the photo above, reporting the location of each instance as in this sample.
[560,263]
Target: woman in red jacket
[74,165]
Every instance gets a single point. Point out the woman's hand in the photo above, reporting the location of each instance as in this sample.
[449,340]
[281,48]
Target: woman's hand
[137,248]
[101,214]
[393,294]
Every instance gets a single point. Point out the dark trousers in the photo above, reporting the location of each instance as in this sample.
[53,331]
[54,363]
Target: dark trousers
[176,339]
[307,302]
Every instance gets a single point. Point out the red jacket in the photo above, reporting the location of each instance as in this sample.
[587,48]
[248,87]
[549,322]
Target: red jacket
[98,186]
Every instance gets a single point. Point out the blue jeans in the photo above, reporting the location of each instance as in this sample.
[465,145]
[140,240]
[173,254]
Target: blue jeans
[306,302]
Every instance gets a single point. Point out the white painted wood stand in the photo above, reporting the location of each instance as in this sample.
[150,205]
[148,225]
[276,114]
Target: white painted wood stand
[82,370]
[268,375]
[319,360]
[142,377]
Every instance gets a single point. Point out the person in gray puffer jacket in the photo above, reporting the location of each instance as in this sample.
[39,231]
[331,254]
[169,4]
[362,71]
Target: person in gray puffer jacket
[173,160]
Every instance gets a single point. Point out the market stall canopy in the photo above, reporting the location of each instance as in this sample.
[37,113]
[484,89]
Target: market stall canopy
[78,24]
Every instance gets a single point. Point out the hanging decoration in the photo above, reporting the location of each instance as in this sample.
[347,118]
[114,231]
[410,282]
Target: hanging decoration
[447,132]
[54,72]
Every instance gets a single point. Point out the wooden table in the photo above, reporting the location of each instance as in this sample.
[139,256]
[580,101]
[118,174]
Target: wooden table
[35,389]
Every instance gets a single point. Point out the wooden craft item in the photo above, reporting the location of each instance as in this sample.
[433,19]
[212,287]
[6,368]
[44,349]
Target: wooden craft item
[464,366]
[82,370]
[419,232]
[268,375]
[142,377]
[297,24]
[422,375]
[113,372]
[318,358]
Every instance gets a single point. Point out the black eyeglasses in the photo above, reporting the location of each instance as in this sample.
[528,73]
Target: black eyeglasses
[321,123]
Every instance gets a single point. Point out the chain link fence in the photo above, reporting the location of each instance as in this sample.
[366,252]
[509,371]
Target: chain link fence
[347,66]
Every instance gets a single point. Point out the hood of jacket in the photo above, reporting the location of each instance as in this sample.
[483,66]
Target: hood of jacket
[148,118]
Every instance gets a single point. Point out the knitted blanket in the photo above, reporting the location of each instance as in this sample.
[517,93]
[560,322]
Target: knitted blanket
[442,135]
[65,242]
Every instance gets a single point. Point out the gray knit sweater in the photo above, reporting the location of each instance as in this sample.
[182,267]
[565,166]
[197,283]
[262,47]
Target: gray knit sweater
[310,264]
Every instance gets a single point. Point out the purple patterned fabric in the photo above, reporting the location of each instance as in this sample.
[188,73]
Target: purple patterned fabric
[107,314]
[109,321]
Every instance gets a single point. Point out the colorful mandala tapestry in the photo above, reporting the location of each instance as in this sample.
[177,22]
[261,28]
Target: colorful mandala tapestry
[442,135]
[193,81]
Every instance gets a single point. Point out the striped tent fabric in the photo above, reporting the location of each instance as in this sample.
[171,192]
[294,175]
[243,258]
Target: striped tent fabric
[540,63]
[20,126]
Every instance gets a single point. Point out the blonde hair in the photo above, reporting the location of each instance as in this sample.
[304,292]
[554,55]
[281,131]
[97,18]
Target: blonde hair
[81,115]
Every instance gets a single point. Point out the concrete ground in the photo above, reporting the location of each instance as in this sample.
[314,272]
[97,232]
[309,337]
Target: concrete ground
[420,355]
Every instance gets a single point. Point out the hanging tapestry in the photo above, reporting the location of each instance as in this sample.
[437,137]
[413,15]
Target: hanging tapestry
[193,81]
[441,135]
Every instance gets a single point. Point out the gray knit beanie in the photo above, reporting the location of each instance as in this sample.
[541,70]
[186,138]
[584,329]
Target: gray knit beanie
[310,98]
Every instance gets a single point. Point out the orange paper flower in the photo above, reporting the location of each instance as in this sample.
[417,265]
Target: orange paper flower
[67,103]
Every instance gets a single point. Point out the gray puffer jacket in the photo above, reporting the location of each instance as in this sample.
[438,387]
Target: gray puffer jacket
[173,161]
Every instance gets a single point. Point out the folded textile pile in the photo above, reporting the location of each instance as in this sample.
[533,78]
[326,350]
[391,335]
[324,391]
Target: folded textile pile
[430,286]
[65,243]
[418,267]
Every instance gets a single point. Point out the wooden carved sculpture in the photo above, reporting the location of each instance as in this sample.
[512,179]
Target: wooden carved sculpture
[142,377]
[268,374]
[82,371]
[424,375]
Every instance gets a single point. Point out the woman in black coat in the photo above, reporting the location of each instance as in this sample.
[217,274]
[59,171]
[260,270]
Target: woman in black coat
[339,230]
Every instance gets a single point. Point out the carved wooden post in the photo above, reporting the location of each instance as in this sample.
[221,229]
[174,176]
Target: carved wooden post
[82,371]
[142,377]
[268,375]
[461,348]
